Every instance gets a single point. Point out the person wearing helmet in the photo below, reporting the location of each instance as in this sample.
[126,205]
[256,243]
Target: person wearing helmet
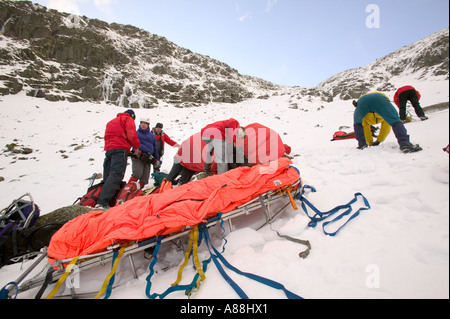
[141,165]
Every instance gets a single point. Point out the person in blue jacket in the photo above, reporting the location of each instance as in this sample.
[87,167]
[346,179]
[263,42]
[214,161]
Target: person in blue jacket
[379,103]
[148,154]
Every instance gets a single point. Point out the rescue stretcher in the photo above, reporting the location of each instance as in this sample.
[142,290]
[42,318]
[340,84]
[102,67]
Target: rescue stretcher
[45,275]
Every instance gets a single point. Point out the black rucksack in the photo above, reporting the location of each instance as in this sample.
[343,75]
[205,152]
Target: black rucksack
[25,242]
[19,216]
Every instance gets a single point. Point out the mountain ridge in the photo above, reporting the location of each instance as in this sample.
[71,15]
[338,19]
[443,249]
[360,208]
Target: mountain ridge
[60,56]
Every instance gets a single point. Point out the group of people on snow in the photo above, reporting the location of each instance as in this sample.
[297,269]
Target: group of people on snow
[147,148]
[147,145]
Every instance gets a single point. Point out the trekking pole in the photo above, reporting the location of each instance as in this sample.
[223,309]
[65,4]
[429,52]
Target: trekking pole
[92,179]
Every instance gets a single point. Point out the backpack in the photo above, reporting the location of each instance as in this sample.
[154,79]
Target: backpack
[24,242]
[19,214]
[129,191]
[158,177]
[91,197]
[18,217]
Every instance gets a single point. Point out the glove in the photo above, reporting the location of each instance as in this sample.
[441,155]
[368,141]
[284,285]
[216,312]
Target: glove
[136,154]
[147,158]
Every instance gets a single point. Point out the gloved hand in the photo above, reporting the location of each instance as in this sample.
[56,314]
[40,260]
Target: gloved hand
[135,154]
[147,158]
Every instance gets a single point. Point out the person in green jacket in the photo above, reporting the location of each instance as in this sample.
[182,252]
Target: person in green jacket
[379,103]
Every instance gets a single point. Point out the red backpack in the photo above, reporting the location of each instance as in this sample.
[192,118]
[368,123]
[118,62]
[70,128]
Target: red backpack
[129,191]
[93,192]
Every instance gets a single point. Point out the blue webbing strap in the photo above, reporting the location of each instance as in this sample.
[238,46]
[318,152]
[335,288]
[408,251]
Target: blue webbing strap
[223,232]
[4,292]
[320,216]
[152,265]
[216,257]
[113,278]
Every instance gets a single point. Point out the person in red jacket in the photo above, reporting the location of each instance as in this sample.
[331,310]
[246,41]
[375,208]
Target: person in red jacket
[220,137]
[405,94]
[161,139]
[120,137]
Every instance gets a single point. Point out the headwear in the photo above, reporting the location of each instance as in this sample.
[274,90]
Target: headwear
[131,113]
[145,119]
[159,125]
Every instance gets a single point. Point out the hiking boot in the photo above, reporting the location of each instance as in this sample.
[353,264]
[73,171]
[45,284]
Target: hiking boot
[411,148]
[363,147]
[424,118]
[407,120]
[101,207]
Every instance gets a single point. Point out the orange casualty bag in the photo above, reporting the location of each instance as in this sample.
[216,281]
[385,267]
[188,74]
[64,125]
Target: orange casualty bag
[144,217]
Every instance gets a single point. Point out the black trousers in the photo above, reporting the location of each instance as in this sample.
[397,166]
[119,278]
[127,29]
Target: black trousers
[404,97]
[177,169]
[114,167]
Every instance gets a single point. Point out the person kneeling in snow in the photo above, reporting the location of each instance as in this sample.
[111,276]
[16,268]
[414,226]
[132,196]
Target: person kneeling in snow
[380,104]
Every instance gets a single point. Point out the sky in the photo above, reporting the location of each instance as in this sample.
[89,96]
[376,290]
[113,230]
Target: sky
[287,42]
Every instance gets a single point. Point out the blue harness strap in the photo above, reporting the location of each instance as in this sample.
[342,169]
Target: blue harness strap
[216,257]
[320,216]
[151,268]
[113,278]
[4,292]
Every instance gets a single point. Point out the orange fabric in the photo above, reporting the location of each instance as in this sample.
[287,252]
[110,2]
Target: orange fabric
[162,214]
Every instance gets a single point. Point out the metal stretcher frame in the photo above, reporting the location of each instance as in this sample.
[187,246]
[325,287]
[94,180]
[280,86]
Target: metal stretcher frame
[57,269]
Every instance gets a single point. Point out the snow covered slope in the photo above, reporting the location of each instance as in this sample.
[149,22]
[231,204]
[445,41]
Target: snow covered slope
[398,249]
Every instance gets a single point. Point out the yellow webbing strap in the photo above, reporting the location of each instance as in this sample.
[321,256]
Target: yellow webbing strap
[192,247]
[194,233]
[197,263]
[62,279]
[113,271]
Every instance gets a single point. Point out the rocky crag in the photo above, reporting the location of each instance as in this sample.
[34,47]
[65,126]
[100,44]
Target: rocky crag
[58,56]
